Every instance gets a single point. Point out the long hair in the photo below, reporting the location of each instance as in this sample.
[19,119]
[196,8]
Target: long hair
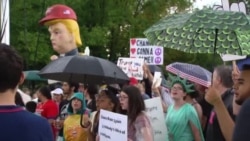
[19,99]
[135,102]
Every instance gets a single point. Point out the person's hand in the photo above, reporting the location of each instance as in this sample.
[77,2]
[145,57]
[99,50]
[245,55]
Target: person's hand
[53,57]
[51,121]
[156,90]
[97,138]
[86,121]
[145,70]
[58,124]
[235,73]
[130,139]
[212,96]
[145,67]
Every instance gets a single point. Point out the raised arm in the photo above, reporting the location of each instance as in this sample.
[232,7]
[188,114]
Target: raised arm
[225,121]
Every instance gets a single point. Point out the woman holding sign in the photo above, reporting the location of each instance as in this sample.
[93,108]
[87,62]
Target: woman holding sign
[182,120]
[105,100]
[139,127]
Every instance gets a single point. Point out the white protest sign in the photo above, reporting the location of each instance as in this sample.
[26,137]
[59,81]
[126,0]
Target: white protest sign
[156,116]
[230,57]
[140,48]
[112,126]
[133,67]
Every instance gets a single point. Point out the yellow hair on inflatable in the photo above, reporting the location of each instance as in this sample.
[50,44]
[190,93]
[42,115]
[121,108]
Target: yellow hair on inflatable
[71,25]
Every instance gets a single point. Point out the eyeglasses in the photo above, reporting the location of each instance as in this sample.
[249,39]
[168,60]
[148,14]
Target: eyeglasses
[177,89]
[121,97]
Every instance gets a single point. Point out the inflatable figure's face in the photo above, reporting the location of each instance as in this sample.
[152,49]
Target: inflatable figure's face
[60,37]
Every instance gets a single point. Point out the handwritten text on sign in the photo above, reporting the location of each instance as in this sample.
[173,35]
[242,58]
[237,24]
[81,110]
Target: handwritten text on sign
[156,116]
[131,66]
[112,126]
[140,48]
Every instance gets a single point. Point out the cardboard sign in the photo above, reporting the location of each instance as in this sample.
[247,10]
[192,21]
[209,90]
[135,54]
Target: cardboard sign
[133,67]
[156,116]
[112,126]
[230,57]
[140,48]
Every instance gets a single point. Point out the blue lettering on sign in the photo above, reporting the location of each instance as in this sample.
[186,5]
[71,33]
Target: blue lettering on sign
[145,51]
[142,43]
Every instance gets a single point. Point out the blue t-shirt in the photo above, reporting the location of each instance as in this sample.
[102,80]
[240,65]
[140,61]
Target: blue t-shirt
[17,124]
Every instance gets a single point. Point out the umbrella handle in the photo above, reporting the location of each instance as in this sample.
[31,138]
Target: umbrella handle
[81,119]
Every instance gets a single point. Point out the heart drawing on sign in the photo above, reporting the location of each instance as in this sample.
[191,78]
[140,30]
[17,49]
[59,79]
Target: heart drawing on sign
[132,50]
[133,41]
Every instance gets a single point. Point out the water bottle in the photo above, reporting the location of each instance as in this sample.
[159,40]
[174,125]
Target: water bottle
[87,51]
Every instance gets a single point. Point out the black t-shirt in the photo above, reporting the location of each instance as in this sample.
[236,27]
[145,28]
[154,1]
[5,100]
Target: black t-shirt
[63,106]
[206,110]
[213,130]
[148,87]
[242,126]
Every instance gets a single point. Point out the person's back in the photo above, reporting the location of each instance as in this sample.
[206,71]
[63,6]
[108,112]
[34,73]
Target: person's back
[17,124]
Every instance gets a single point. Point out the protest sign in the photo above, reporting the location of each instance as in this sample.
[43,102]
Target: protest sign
[156,116]
[140,48]
[133,67]
[231,57]
[112,126]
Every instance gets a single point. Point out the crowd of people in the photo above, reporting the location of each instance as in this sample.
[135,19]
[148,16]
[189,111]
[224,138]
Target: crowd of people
[70,111]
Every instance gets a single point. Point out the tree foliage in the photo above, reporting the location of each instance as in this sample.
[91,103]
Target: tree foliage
[106,27]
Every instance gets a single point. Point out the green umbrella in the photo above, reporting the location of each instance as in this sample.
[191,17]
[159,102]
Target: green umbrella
[203,31]
[33,75]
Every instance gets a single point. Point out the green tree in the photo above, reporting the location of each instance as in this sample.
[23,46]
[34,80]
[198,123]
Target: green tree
[30,39]
[106,27]
[117,21]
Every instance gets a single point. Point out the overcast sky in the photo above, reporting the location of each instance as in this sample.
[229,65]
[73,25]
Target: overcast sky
[200,3]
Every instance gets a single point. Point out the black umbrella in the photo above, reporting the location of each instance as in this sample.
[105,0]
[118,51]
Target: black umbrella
[85,69]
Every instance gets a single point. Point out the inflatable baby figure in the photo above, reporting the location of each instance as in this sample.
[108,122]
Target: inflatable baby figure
[61,21]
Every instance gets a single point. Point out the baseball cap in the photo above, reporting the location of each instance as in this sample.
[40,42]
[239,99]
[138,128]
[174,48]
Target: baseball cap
[133,81]
[58,11]
[57,91]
